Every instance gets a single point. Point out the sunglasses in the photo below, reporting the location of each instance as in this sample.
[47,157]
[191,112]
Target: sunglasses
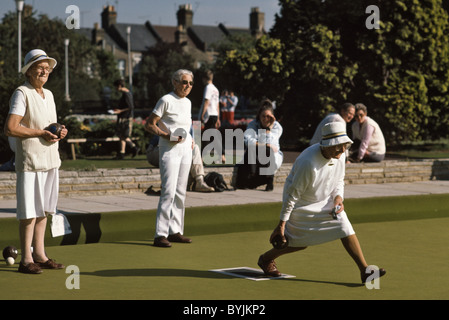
[185,82]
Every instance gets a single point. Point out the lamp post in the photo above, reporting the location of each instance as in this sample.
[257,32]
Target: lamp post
[66,44]
[19,7]
[130,68]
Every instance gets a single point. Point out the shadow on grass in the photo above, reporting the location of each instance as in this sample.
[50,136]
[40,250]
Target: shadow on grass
[155,272]
[169,272]
[345,284]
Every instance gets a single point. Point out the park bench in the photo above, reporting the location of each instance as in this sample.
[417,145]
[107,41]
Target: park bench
[73,141]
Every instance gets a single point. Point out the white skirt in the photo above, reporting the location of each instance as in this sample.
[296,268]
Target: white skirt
[37,193]
[311,224]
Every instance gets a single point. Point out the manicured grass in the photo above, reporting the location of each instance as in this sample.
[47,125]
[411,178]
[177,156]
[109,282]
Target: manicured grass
[413,252]
[416,154]
[105,162]
[438,149]
[406,235]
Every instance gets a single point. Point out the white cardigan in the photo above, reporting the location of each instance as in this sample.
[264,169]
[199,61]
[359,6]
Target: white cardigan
[37,154]
[370,135]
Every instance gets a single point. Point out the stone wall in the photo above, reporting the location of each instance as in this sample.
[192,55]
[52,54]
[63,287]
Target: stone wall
[115,181]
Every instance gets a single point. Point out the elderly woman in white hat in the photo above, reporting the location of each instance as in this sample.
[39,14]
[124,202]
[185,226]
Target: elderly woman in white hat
[313,189]
[32,109]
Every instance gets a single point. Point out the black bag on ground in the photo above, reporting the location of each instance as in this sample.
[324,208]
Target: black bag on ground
[216,181]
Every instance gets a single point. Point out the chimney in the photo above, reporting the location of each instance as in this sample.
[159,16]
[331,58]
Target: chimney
[180,35]
[256,22]
[108,17]
[185,16]
[97,34]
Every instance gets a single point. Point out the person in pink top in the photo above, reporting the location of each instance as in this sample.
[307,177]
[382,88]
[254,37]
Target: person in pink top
[369,142]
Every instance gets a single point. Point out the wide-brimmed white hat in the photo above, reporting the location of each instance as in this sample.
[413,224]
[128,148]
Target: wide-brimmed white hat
[334,133]
[36,55]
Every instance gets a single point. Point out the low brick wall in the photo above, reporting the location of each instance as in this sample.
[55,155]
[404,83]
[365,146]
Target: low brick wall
[119,181]
[391,171]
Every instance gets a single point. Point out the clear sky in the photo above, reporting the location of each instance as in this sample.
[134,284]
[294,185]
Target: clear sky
[232,13]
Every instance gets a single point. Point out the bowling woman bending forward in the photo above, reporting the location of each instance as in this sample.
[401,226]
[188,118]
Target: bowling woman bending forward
[314,187]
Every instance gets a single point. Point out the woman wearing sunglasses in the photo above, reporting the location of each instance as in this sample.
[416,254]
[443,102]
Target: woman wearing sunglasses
[171,120]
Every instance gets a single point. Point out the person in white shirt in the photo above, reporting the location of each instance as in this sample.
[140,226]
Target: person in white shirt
[313,189]
[171,120]
[210,109]
[368,137]
[32,109]
[263,155]
[345,115]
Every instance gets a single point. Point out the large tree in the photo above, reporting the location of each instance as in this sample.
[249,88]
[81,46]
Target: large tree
[411,55]
[322,54]
[400,71]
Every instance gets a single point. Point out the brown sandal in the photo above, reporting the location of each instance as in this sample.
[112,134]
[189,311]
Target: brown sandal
[30,268]
[50,264]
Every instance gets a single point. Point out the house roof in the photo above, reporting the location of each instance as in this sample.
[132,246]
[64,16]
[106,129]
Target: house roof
[203,36]
[145,36]
[141,38]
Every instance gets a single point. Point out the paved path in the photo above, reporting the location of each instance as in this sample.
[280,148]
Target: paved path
[141,201]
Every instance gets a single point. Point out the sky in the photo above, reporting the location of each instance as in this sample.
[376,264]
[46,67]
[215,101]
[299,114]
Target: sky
[232,13]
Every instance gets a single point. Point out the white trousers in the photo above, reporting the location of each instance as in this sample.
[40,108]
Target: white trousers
[36,193]
[174,163]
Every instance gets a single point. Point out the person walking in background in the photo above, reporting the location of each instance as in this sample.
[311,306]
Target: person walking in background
[313,189]
[125,116]
[210,109]
[32,109]
[171,120]
[369,141]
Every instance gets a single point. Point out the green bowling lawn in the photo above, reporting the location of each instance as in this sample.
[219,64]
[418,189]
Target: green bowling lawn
[407,236]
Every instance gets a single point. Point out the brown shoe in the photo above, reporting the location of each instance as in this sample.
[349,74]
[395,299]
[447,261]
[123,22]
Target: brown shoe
[177,237]
[268,267]
[161,242]
[50,264]
[30,268]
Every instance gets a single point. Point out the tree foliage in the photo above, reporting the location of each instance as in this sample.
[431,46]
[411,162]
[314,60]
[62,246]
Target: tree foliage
[321,54]
[413,89]
[157,66]
[257,71]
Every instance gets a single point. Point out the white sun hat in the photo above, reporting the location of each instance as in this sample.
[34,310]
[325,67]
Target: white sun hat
[334,133]
[36,55]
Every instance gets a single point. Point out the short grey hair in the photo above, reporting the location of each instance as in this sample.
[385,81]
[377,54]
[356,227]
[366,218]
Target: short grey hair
[361,106]
[177,75]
